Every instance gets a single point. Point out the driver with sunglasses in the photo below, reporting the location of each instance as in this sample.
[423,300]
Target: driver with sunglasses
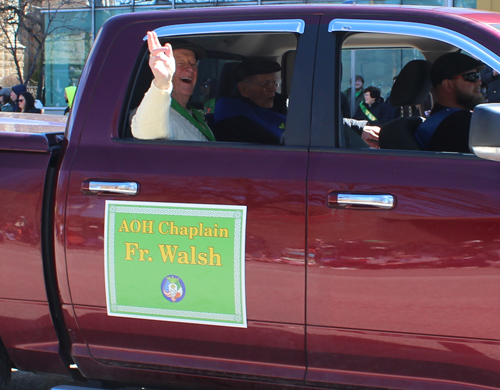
[456,89]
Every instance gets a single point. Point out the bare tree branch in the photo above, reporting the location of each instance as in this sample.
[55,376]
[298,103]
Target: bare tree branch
[24,31]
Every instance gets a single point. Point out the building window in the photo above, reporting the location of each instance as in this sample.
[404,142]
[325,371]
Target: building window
[67,48]
[465,3]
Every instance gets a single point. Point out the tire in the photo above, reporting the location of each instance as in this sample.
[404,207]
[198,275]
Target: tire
[5,367]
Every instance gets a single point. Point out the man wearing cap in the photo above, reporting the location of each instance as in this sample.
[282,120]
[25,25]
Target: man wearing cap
[14,95]
[456,88]
[164,112]
[250,117]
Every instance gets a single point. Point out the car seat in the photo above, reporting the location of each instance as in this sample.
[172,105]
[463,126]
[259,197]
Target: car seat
[227,85]
[412,87]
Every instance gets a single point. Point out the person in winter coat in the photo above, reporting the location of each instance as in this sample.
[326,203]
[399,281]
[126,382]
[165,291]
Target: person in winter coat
[358,95]
[27,103]
[491,78]
[373,109]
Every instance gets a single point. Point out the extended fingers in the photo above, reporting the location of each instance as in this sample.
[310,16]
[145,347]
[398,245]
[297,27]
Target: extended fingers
[153,41]
[167,49]
[155,48]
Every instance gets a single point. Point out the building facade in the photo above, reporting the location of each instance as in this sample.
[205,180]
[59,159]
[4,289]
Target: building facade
[74,24]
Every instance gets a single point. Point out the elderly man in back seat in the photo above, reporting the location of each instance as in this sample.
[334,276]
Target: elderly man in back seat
[250,116]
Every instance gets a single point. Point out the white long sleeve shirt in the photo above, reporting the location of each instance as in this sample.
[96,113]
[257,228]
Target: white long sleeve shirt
[155,119]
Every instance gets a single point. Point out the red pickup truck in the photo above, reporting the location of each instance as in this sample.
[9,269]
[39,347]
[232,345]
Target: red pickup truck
[316,263]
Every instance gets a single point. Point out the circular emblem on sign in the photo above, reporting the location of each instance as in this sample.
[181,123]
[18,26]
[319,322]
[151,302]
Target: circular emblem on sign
[173,288]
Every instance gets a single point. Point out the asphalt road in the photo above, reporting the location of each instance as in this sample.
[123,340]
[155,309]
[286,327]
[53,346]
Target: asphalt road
[22,380]
[28,381]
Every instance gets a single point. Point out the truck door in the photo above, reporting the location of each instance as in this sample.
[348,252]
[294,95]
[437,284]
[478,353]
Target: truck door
[403,276]
[268,183]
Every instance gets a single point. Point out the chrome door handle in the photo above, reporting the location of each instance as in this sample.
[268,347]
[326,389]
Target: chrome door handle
[110,187]
[365,201]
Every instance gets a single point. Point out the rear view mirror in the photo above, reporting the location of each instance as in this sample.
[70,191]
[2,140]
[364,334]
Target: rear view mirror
[484,139]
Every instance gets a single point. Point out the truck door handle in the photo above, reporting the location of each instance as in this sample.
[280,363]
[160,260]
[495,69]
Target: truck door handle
[110,187]
[361,201]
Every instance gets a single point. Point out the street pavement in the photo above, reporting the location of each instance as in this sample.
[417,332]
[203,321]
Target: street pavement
[22,380]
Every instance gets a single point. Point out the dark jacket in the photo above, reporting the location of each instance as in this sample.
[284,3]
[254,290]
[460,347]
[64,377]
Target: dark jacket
[344,106]
[239,120]
[452,134]
[359,99]
[34,110]
[492,85]
[383,112]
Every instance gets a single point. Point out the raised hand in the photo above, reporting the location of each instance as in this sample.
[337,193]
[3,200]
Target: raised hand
[161,61]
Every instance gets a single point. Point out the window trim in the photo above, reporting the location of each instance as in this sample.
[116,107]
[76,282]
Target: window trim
[420,30]
[265,26]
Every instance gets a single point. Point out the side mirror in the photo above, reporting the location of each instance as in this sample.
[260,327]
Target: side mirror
[484,137]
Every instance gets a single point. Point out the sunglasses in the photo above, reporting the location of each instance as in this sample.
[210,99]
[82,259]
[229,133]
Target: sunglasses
[471,77]
[21,100]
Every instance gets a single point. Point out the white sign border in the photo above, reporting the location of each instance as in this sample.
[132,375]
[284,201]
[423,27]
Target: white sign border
[239,319]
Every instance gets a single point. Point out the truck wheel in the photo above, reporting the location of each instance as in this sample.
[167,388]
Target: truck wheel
[5,366]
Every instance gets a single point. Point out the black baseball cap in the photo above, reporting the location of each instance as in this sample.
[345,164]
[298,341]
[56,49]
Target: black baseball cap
[453,64]
[256,65]
[199,52]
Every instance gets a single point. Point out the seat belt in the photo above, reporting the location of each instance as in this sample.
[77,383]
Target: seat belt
[427,129]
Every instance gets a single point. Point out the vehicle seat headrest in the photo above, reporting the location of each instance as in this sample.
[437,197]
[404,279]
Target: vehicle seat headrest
[228,81]
[413,84]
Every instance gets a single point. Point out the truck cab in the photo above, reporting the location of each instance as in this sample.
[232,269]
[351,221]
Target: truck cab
[318,262]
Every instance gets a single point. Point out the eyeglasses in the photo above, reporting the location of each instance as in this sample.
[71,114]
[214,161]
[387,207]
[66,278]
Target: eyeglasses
[266,84]
[21,100]
[471,77]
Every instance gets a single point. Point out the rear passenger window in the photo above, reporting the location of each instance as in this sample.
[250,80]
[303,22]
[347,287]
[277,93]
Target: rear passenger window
[238,103]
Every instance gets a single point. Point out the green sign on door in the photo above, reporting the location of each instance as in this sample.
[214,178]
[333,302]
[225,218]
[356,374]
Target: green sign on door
[176,262]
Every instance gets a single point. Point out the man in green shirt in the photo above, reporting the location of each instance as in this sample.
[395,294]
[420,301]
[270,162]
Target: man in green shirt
[358,90]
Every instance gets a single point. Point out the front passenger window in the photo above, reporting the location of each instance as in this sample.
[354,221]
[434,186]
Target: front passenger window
[392,90]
